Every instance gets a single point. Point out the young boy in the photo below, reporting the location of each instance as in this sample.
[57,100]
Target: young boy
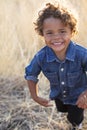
[62,61]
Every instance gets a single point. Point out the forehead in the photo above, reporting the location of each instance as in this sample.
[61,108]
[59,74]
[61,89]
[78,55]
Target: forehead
[53,23]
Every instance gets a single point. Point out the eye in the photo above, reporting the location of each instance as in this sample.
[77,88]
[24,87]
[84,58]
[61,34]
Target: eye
[63,31]
[49,33]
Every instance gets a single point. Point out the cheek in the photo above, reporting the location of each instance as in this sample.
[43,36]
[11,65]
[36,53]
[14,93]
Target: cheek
[47,39]
[68,37]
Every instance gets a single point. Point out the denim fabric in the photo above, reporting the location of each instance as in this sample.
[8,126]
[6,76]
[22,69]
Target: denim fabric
[67,78]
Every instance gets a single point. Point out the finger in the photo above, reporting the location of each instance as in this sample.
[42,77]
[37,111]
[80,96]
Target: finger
[82,98]
[84,94]
[50,104]
[82,106]
[79,101]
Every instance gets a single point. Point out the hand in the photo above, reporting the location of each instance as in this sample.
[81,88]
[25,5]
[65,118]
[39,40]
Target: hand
[82,100]
[43,102]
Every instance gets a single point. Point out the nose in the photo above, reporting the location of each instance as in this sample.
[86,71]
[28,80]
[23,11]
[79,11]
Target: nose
[57,35]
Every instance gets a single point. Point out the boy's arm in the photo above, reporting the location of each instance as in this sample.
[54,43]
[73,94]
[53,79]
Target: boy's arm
[33,89]
[34,94]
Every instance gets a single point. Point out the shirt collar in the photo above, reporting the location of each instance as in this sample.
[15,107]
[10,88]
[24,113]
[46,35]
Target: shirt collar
[70,55]
[50,55]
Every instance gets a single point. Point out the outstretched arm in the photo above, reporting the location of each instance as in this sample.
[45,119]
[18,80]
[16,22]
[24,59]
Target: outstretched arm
[34,94]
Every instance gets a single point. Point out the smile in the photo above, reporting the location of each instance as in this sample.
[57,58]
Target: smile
[57,43]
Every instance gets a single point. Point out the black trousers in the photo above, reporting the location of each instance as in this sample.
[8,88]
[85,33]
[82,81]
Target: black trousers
[75,114]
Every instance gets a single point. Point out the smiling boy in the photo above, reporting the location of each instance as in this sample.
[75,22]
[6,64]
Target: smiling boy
[62,61]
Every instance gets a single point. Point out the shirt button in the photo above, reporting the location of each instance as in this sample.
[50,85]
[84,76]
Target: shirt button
[64,95]
[62,69]
[62,83]
[64,91]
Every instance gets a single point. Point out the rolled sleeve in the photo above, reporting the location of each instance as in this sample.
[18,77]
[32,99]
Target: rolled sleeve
[32,70]
[31,78]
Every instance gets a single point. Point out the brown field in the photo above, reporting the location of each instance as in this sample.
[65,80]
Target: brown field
[18,44]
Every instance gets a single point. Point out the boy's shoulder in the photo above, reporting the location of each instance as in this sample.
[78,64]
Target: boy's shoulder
[77,50]
[80,48]
[42,51]
[80,51]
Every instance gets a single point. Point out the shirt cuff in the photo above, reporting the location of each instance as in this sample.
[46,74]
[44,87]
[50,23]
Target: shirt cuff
[31,78]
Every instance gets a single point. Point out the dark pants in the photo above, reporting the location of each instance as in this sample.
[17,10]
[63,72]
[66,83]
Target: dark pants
[75,114]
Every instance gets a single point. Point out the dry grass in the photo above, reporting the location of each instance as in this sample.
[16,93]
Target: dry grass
[19,112]
[18,40]
[18,43]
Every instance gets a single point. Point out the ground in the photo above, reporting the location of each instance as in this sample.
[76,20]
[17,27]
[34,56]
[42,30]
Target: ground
[19,112]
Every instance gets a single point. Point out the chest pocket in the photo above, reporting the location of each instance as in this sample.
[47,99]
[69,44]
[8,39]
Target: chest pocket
[74,79]
[52,77]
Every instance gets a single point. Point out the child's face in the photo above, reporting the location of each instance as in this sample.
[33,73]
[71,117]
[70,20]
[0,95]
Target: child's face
[56,35]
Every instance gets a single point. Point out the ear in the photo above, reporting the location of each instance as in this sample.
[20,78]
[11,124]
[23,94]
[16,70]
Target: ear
[74,33]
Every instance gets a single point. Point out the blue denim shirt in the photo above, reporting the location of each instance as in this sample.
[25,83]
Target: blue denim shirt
[67,78]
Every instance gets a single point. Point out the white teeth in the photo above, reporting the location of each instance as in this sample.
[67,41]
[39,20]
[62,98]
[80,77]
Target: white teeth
[57,43]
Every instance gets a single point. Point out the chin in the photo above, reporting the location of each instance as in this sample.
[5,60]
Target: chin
[58,49]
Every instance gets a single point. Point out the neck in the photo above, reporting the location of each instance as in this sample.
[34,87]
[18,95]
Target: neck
[61,56]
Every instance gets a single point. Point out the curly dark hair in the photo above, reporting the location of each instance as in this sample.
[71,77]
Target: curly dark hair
[56,12]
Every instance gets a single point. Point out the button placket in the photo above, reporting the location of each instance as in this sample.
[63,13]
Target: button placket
[62,80]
